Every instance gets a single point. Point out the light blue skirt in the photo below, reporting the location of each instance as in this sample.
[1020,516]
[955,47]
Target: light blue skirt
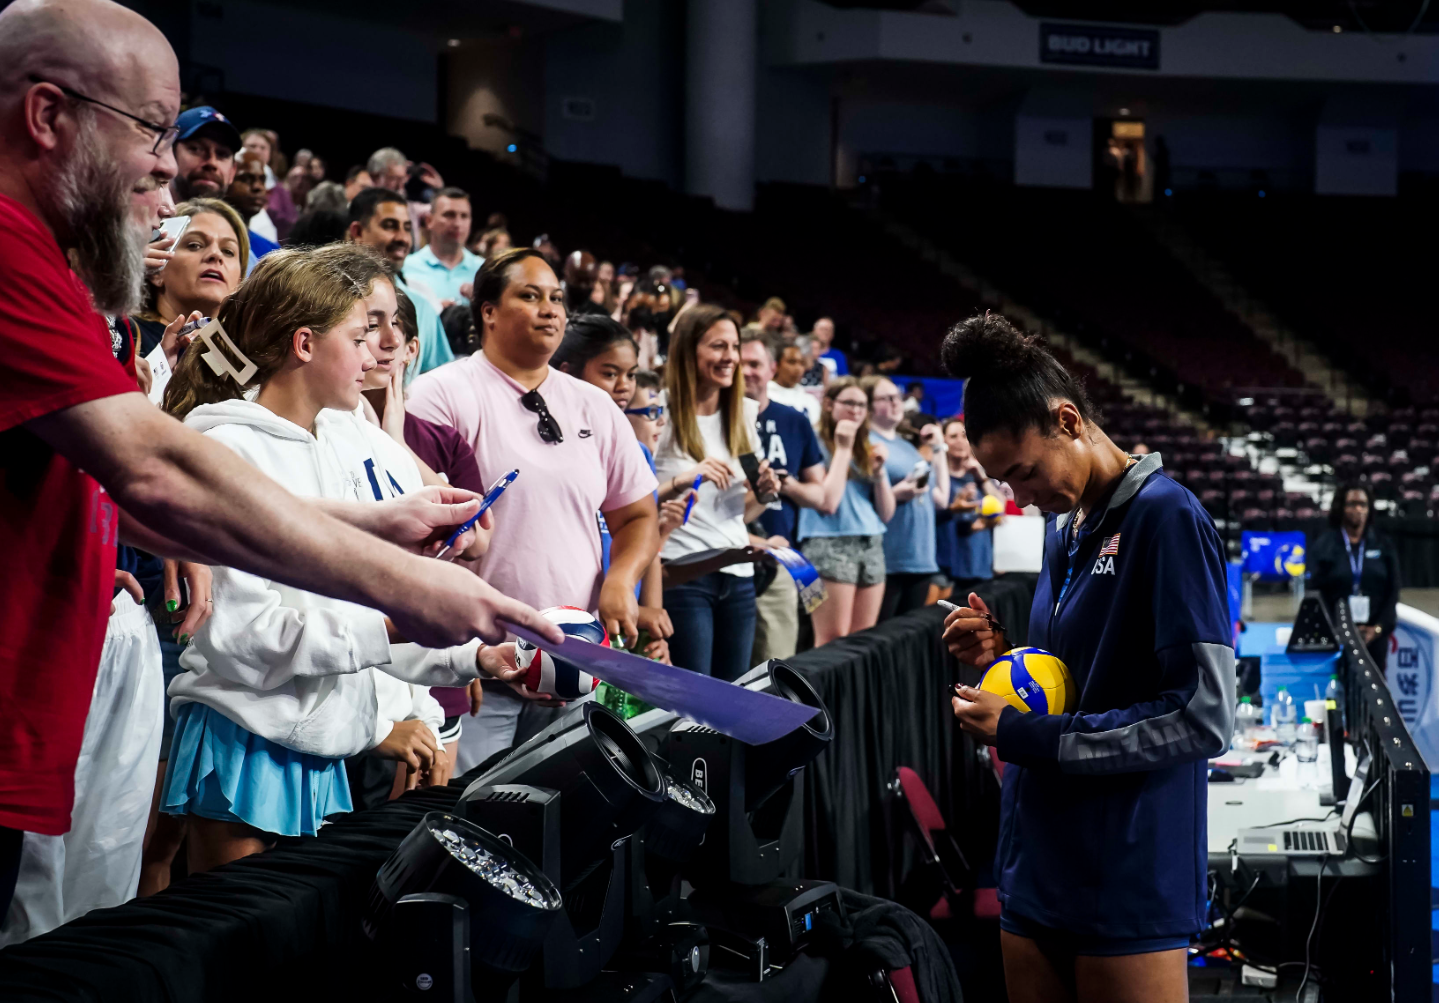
[222,771]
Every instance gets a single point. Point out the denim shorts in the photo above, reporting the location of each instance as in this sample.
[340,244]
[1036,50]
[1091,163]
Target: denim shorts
[849,560]
[1064,943]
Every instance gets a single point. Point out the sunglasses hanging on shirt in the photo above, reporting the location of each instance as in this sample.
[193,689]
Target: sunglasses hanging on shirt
[549,428]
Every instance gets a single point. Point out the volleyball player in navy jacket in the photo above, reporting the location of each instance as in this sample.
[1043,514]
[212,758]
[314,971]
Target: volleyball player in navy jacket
[1102,856]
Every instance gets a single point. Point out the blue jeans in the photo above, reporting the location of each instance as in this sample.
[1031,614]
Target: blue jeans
[713,617]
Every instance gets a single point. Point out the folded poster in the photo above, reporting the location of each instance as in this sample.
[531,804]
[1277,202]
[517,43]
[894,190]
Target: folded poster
[806,578]
[750,716]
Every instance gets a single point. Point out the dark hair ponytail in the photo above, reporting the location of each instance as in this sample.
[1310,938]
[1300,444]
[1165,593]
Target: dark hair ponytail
[586,337]
[1013,380]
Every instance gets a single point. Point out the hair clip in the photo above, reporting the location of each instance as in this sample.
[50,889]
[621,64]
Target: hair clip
[217,360]
[359,290]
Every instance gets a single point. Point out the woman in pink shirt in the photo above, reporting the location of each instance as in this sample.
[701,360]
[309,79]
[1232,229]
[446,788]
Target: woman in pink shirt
[577,461]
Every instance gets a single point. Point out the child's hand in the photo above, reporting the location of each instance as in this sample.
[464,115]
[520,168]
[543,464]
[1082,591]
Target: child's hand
[672,514]
[658,650]
[187,620]
[498,660]
[543,699]
[437,775]
[126,581]
[415,745]
[656,620]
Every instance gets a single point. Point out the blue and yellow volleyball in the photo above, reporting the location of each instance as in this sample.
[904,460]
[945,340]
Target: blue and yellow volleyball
[1032,680]
[990,506]
[1289,560]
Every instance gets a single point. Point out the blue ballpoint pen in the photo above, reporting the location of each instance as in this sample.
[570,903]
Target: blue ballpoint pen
[689,505]
[497,489]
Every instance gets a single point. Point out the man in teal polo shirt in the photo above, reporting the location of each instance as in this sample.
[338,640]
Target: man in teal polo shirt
[444,266]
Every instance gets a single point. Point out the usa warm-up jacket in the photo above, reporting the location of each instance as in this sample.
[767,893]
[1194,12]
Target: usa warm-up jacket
[1103,816]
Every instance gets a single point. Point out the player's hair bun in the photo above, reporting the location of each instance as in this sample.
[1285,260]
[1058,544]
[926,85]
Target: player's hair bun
[988,347]
[1013,379]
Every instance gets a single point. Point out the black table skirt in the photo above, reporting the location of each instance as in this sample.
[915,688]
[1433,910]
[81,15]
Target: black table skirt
[278,926]
[887,690]
[284,925]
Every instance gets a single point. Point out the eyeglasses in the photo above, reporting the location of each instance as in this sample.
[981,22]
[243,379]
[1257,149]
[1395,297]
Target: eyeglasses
[549,428]
[888,399]
[654,412]
[861,405]
[165,135]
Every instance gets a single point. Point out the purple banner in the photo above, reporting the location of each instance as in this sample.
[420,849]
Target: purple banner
[732,710]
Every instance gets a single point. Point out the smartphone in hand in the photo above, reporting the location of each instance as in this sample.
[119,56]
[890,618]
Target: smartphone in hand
[173,227]
[920,474]
[750,463]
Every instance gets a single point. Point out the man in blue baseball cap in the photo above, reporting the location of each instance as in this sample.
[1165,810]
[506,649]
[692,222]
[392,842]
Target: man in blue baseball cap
[205,154]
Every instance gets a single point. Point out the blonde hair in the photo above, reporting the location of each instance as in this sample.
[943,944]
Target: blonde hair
[682,381]
[859,463]
[198,207]
[289,289]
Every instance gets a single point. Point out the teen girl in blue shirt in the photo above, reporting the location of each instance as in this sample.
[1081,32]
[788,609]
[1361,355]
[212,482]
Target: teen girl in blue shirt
[1102,856]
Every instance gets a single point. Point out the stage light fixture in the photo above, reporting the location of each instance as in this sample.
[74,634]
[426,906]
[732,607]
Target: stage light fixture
[452,889]
[757,829]
[570,798]
[676,829]
[608,782]
[769,767]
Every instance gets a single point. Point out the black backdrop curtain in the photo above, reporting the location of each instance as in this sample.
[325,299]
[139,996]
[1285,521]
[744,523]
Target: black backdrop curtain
[279,926]
[887,690]
[284,925]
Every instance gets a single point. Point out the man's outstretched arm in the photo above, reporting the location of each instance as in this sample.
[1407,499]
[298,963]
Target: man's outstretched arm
[216,508]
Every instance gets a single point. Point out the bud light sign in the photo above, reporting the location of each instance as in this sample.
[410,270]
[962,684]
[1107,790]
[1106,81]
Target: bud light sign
[1093,45]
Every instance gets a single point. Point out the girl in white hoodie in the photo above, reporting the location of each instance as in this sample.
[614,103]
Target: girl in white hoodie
[277,690]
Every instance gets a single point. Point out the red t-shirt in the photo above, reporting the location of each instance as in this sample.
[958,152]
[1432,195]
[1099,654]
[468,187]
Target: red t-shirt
[57,526]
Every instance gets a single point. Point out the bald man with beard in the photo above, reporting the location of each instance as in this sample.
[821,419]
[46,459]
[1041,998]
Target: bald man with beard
[89,92]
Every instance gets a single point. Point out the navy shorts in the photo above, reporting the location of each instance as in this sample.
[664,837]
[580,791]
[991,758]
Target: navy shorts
[1064,943]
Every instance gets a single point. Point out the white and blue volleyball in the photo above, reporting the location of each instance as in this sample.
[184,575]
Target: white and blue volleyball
[561,679]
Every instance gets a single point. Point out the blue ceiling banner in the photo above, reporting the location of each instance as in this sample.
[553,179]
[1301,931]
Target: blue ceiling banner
[1099,45]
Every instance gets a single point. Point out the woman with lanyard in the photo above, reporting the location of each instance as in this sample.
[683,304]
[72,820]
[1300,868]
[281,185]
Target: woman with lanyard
[1357,563]
[1102,854]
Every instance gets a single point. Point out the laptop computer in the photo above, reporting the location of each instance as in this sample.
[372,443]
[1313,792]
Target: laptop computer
[1326,839]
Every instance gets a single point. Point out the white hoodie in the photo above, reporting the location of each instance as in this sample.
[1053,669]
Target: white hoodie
[289,665]
[397,701]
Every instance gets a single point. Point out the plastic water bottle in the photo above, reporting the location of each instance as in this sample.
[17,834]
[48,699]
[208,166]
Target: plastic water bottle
[1284,718]
[1335,691]
[1306,748]
[1246,719]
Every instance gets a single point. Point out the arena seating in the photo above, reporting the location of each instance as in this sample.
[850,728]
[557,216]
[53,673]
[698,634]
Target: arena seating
[801,243]
[811,248]
[1087,264]
[1349,274]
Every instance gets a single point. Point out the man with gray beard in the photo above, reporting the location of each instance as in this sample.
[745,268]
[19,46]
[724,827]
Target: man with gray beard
[88,94]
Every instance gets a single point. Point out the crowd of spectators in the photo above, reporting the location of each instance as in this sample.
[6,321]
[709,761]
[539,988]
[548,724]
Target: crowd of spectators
[377,345]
